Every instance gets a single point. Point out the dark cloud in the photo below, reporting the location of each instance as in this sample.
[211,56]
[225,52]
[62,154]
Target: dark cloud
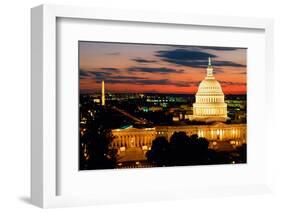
[185,57]
[109,69]
[86,74]
[161,70]
[203,48]
[101,75]
[98,76]
[143,61]
[123,79]
[242,73]
[222,48]
[83,73]
[192,58]
[186,83]
[98,72]
[183,54]
[227,63]
[231,83]
[117,79]
[147,81]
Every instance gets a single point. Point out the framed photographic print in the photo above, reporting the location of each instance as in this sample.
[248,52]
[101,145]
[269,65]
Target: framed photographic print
[150,105]
[130,105]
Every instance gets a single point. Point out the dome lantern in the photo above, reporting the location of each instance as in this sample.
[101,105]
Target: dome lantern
[210,68]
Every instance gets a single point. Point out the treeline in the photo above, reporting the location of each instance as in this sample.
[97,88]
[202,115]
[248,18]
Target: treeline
[184,150]
[95,138]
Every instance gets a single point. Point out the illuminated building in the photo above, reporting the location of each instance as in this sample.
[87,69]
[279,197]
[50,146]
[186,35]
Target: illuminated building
[132,143]
[209,105]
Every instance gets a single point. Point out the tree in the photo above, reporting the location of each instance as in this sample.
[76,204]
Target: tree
[179,143]
[242,153]
[219,157]
[96,141]
[181,150]
[159,153]
[199,150]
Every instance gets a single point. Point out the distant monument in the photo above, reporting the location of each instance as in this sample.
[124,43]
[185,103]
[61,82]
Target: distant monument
[102,94]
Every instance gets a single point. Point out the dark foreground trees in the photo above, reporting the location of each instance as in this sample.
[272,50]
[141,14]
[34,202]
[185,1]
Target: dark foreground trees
[184,150]
[95,141]
[159,153]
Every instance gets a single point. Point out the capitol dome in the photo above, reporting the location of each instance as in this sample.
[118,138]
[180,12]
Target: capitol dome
[209,105]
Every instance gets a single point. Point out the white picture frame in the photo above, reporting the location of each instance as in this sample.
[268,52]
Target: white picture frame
[44,169]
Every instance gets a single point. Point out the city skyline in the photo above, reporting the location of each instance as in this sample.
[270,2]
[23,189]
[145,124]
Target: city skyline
[150,68]
[186,121]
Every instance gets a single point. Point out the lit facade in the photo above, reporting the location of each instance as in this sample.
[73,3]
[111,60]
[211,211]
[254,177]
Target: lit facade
[133,143]
[209,105]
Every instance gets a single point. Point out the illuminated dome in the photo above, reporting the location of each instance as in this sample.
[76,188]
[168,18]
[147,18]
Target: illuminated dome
[208,86]
[209,105]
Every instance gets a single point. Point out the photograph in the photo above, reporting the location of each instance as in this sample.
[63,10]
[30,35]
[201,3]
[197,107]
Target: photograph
[161,105]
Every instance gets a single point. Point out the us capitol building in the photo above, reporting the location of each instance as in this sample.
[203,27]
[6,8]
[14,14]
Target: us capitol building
[209,107]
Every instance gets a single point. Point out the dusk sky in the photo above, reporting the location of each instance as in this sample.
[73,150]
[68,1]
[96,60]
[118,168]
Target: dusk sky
[146,68]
